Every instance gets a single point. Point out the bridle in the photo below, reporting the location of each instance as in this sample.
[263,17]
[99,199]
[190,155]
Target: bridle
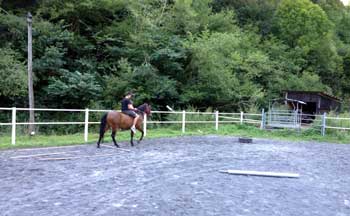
[142,109]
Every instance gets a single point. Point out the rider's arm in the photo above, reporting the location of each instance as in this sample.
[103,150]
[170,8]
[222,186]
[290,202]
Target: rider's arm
[131,107]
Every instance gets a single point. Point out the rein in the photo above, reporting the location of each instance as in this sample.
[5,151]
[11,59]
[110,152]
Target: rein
[141,109]
[140,112]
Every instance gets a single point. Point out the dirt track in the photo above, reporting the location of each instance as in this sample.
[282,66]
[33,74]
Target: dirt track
[178,176]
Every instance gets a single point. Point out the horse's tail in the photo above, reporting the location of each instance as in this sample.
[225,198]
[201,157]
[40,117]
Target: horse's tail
[102,128]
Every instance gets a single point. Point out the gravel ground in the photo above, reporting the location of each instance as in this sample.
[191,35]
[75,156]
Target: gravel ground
[178,176]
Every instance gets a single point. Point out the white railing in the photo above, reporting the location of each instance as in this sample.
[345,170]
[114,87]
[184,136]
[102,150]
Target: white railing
[218,118]
[336,123]
[323,122]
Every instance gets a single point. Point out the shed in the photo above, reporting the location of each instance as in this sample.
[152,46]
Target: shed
[316,102]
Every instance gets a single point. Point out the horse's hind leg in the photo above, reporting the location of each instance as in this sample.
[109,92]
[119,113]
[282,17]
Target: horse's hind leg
[102,133]
[99,141]
[113,137]
[132,138]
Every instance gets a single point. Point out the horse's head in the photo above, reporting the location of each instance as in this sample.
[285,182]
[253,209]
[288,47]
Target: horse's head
[145,108]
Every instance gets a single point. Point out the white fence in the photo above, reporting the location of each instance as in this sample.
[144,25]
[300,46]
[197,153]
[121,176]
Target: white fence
[321,121]
[218,118]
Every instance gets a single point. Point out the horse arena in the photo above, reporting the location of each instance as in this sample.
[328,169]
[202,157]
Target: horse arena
[177,176]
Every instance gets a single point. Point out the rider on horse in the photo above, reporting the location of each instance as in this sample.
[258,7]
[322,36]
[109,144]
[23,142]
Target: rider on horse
[128,109]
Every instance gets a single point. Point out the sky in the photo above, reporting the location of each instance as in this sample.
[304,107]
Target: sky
[346,2]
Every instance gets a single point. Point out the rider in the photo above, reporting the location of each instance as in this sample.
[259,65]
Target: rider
[128,108]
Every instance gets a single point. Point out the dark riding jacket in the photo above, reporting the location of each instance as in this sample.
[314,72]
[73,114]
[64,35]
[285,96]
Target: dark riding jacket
[125,108]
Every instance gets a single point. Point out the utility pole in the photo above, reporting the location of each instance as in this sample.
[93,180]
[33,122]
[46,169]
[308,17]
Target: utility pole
[30,76]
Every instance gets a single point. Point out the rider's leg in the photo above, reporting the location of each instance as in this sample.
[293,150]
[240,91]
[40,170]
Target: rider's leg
[135,120]
[134,123]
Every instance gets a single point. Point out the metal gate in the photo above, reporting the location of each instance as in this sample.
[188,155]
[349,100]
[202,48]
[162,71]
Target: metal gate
[283,119]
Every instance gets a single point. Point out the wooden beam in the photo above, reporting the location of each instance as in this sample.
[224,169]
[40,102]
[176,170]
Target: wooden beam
[48,148]
[259,173]
[108,146]
[76,157]
[55,159]
[40,155]
[121,149]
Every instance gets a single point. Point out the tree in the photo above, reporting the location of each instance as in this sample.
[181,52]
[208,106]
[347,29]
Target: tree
[149,85]
[259,13]
[13,74]
[301,23]
[224,71]
[232,55]
[72,89]
[343,27]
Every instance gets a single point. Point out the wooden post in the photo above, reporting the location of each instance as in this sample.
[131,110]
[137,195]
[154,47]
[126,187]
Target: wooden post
[144,124]
[183,121]
[216,120]
[259,173]
[295,118]
[323,129]
[13,139]
[241,117]
[30,77]
[86,129]
[262,126]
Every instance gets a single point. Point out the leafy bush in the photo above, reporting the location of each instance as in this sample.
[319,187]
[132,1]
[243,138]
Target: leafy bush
[13,74]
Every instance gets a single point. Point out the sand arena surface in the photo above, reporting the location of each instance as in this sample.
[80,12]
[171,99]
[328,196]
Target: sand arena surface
[177,176]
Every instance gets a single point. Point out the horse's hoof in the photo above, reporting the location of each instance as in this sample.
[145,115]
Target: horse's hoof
[98,146]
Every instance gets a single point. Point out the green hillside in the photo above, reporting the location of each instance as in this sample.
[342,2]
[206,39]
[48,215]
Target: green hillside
[224,54]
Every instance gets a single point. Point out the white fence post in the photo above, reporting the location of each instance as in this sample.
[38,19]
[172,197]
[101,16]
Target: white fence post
[262,126]
[323,129]
[216,120]
[183,121]
[144,124]
[241,117]
[13,140]
[86,129]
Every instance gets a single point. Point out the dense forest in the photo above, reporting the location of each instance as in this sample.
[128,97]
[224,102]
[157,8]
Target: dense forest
[226,54]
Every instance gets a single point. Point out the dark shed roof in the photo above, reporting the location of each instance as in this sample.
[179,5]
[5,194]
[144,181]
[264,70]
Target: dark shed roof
[322,94]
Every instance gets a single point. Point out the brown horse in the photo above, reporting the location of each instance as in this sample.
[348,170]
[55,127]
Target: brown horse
[120,121]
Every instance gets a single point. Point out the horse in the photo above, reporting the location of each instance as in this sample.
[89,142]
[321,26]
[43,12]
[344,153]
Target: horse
[118,120]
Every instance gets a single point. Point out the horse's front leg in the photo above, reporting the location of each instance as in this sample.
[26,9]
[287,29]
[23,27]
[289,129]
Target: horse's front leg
[113,138]
[141,135]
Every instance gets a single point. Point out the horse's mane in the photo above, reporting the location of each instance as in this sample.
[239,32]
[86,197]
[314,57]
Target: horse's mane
[142,107]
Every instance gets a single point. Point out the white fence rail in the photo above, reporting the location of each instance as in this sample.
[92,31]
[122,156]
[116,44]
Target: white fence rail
[218,118]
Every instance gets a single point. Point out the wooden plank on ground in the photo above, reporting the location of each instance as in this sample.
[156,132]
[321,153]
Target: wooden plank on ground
[76,157]
[40,155]
[113,147]
[108,146]
[259,173]
[48,148]
[55,159]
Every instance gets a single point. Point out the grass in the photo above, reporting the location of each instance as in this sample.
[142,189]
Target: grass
[61,140]
[231,130]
